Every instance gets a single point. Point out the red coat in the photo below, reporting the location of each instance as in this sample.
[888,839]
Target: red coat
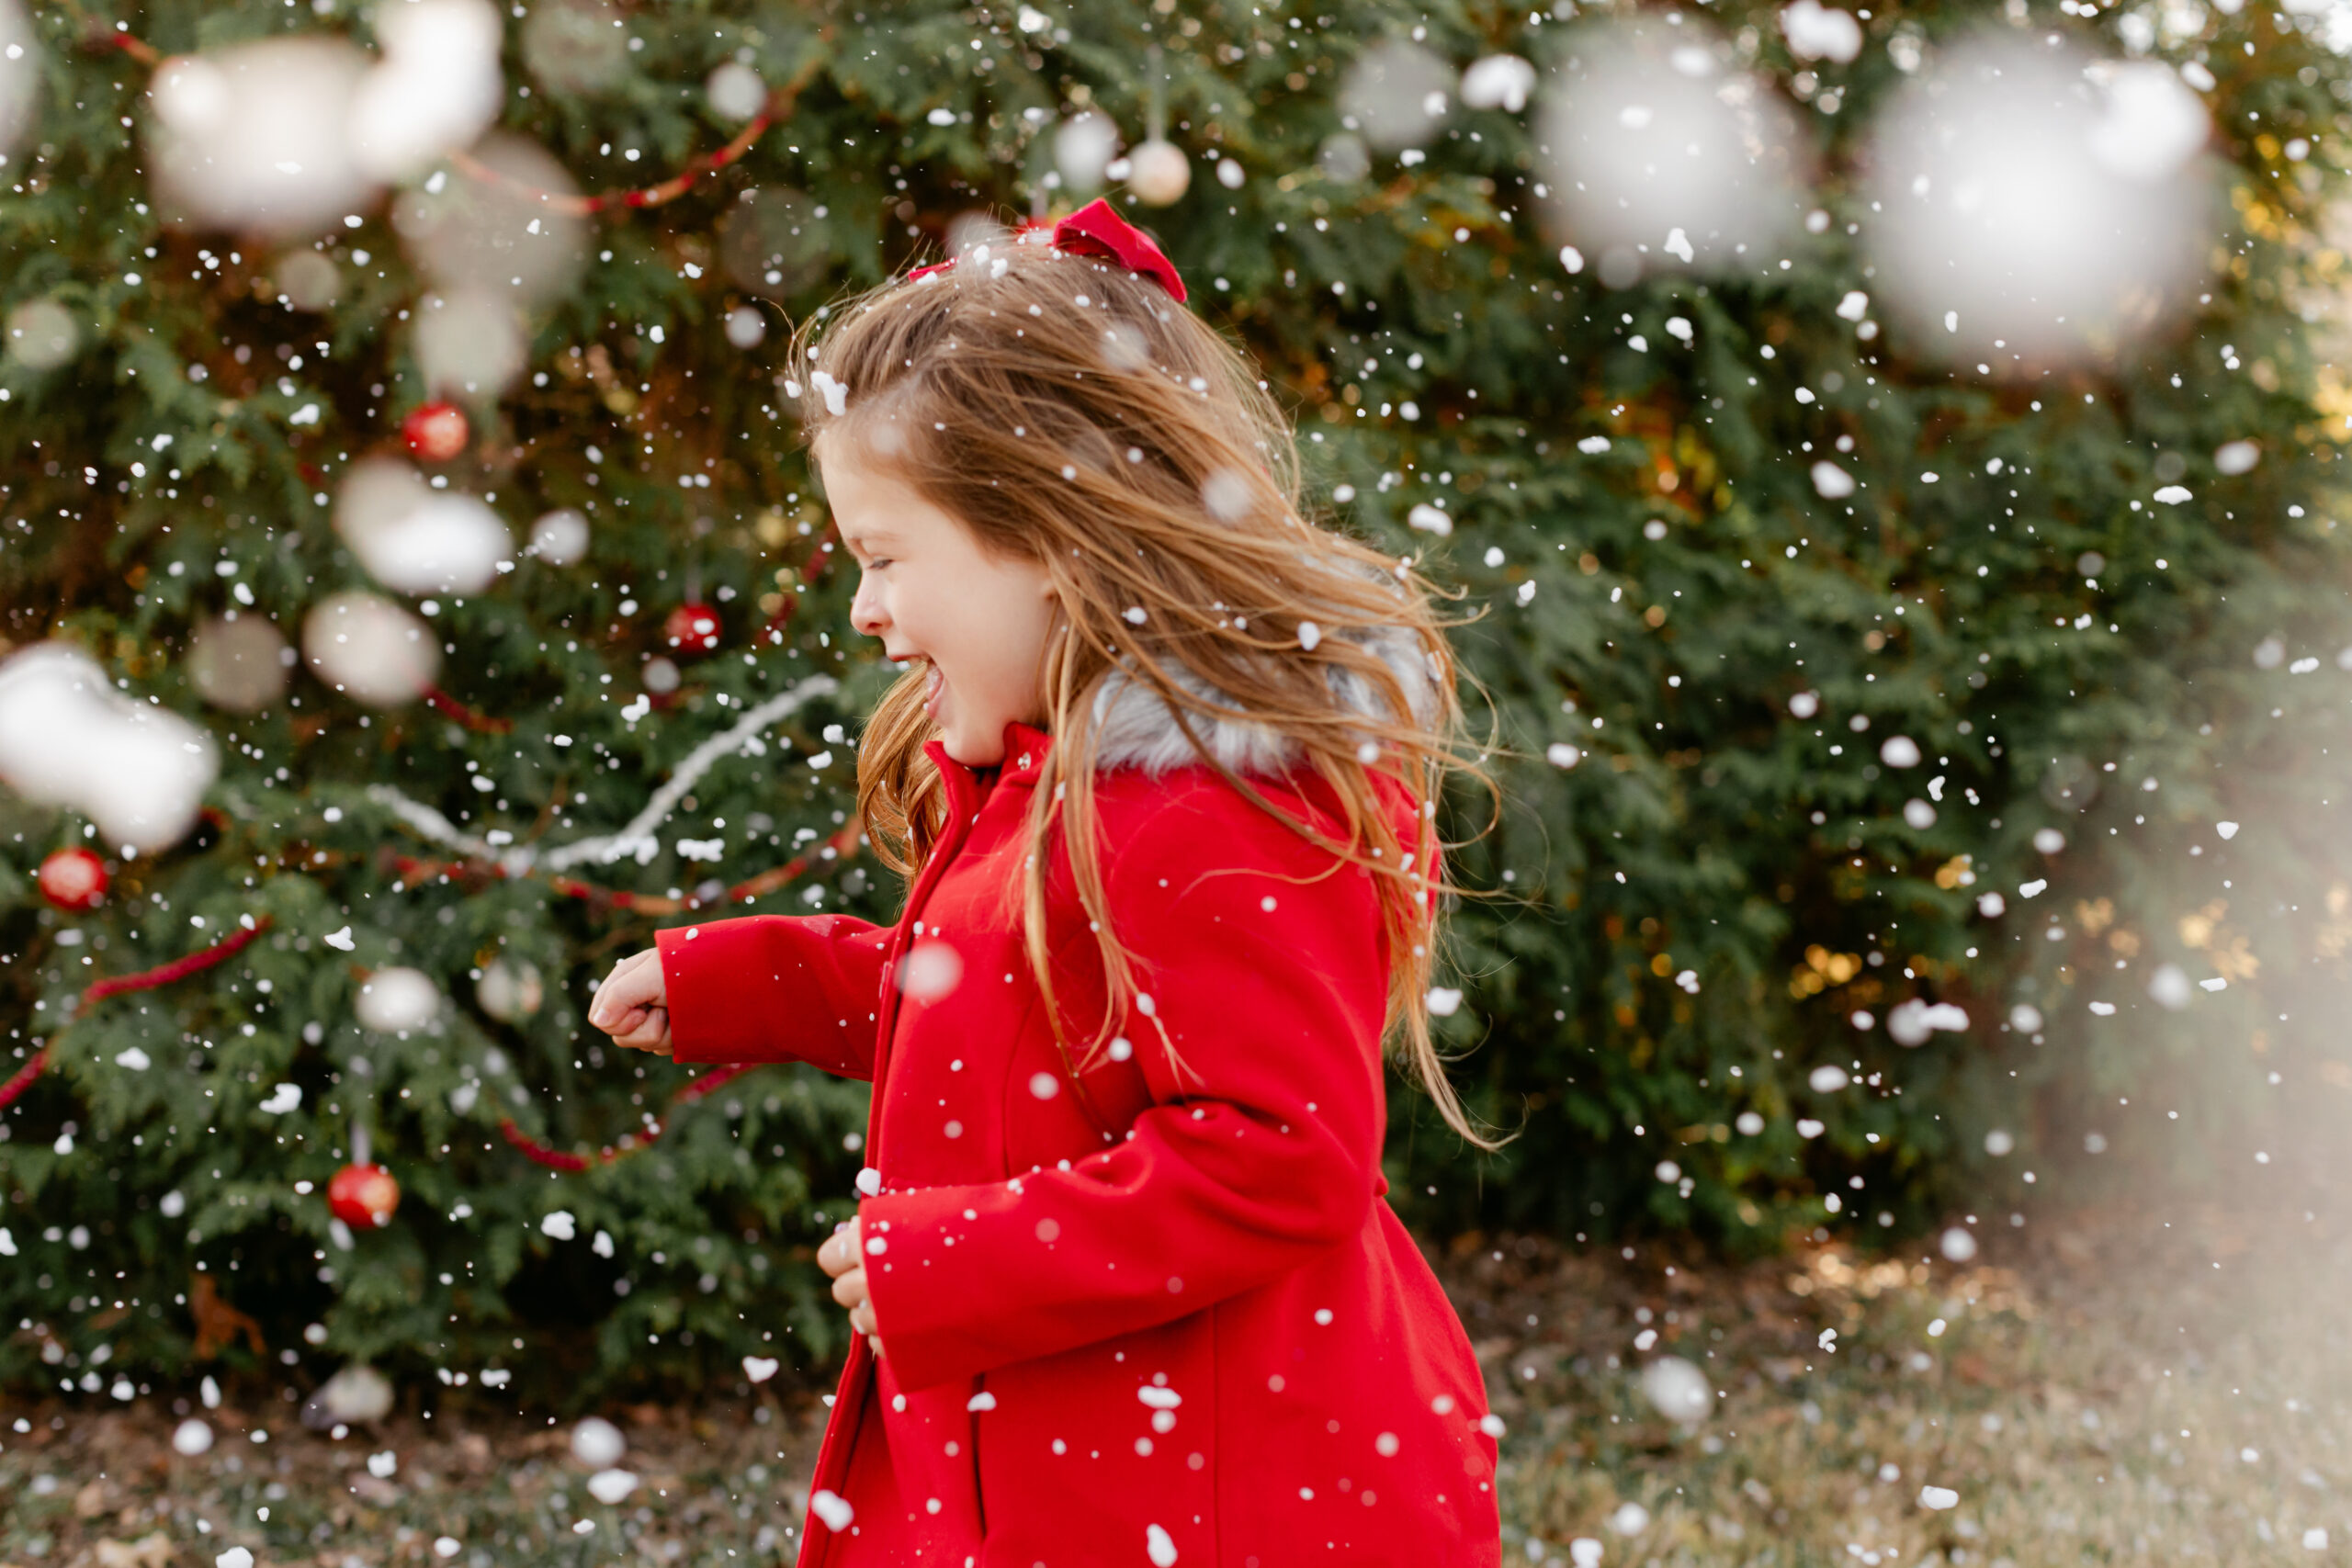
[1178,1325]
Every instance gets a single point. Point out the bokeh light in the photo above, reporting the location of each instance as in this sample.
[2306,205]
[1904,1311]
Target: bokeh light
[2038,206]
[258,135]
[68,738]
[1659,151]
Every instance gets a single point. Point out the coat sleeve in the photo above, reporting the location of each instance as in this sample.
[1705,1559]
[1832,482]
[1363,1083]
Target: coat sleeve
[775,988]
[1260,968]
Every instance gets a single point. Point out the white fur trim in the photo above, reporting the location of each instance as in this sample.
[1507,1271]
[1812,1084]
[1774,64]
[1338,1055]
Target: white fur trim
[1136,727]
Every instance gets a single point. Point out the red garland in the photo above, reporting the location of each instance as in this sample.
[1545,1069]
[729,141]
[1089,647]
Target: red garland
[144,980]
[553,1158]
[178,969]
[481,723]
[23,1078]
[669,190]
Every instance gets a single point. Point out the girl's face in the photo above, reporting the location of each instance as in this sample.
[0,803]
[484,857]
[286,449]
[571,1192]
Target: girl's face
[980,622]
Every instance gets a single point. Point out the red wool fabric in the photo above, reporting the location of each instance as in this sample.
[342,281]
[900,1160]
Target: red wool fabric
[1158,1313]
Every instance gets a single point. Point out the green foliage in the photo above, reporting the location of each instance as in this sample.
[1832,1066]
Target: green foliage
[1660,628]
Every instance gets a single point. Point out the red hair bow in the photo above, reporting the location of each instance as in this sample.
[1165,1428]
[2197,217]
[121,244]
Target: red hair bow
[1097,229]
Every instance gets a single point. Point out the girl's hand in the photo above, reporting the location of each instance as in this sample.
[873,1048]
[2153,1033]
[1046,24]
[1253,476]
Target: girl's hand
[633,1006]
[843,1256]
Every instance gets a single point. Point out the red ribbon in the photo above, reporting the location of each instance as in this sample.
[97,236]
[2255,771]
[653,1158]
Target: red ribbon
[1097,229]
[144,980]
[23,1078]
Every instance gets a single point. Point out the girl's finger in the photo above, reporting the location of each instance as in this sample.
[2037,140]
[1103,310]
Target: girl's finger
[839,1251]
[649,1031]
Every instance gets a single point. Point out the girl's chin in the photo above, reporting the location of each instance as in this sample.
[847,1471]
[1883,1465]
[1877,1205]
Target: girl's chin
[972,751]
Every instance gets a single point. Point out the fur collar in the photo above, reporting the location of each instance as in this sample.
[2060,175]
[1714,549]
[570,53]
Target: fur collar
[1136,727]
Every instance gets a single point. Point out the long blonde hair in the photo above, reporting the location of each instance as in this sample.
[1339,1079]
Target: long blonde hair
[1071,414]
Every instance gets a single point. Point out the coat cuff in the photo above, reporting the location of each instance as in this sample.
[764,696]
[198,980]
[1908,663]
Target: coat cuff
[763,988]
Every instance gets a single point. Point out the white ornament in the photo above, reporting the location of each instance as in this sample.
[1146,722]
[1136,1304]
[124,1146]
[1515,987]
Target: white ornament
[415,538]
[69,738]
[259,135]
[239,665]
[560,537]
[1158,173]
[370,649]
[398,999]
[497,237]
[510,992]
[736,91]
[746,326]
[470,340]
[1083,148]
[42,334]
[437,88]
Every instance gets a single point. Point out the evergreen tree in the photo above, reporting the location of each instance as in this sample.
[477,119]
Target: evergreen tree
[1703,875]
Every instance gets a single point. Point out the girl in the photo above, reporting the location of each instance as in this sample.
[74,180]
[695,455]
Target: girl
[1160,771]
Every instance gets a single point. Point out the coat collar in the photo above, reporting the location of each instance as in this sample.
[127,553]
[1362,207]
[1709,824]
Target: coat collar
[1136,729]
[1025,756]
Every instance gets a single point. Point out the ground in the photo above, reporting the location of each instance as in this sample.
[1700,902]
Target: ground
[2117,1386]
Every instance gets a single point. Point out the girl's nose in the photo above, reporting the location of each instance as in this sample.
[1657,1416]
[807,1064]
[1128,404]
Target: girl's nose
[865,611]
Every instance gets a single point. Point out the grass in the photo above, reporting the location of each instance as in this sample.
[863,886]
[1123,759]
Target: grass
[2111,1389]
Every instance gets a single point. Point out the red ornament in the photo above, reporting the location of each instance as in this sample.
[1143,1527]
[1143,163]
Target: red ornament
[364,1195]
[435,432]
[693,630]
[73,880]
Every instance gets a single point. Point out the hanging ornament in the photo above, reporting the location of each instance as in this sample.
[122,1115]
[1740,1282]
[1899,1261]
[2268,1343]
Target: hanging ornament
[746,327]
[692,629]
[73,880]
[364,1195]
[370,649]
[736,91]
[395,999]
[510,992]
[1157,171]
[417,539]
[238,664]
[559,537]
[435,432]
